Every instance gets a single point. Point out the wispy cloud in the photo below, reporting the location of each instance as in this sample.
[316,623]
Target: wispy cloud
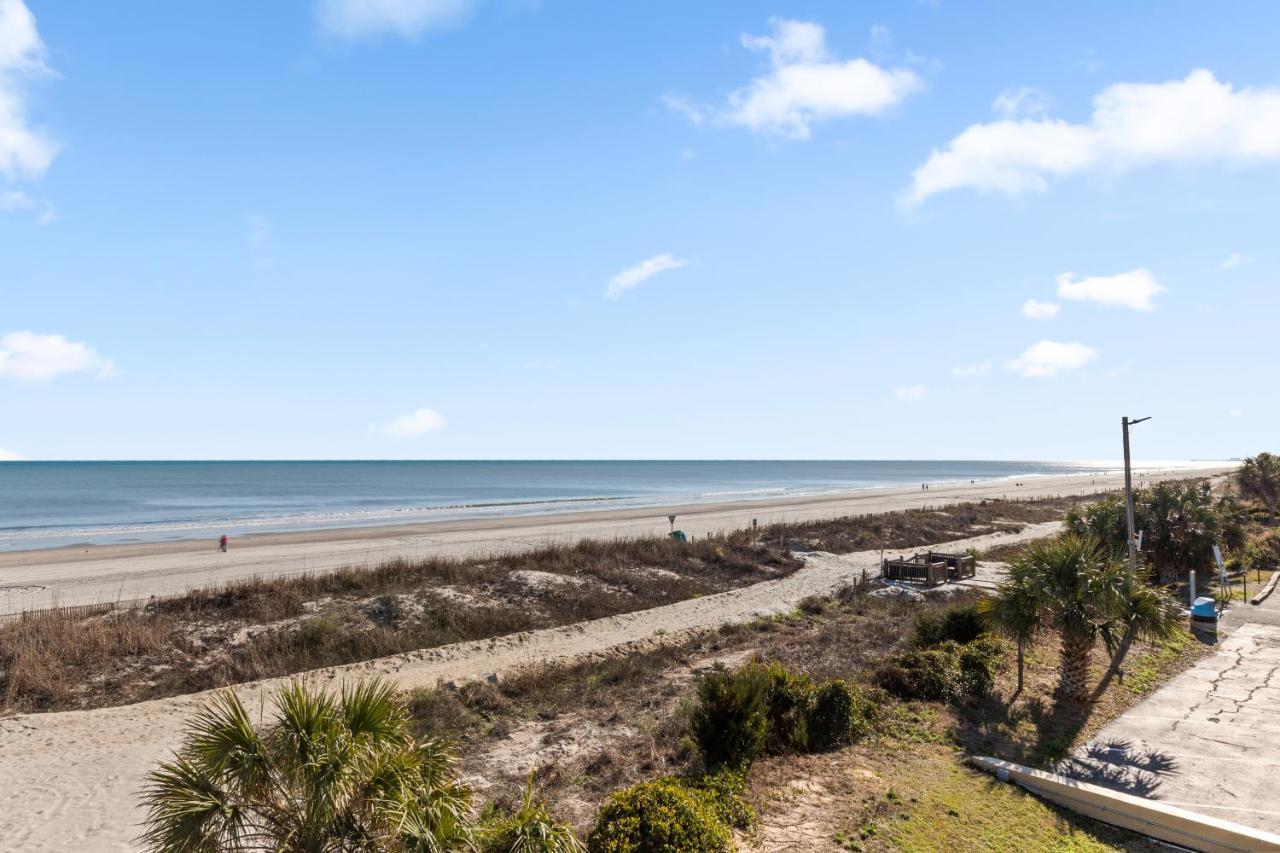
[1194,120]
[1048,358]
[805,85]
[409,19]
[633,276]
[968,371]
[1133,290]
[1236,259]
[910,393]
[31,357]
[1021,101]
[25,151]
[413,425]
[1037,310]
[10,456]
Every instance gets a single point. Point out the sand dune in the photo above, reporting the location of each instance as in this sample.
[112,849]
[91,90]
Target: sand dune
[70,780]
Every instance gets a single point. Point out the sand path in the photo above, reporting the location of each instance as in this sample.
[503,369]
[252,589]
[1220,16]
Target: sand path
[69,781]
[31,580]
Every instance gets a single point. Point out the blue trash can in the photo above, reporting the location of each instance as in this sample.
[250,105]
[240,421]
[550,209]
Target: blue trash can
[1204,614]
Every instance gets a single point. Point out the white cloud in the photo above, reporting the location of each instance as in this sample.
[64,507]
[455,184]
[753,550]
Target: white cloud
[1047,358]
[912,393]
[29,357]
[1125,290]
[416,423]
[1236,259]
[364,19]
[981,368]
[1037,310]
[805,85]
[646,269]
[1197,119]
[25,152]
[10,456]
[1022,101]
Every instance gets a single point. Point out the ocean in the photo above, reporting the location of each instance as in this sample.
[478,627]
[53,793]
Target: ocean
[50,504]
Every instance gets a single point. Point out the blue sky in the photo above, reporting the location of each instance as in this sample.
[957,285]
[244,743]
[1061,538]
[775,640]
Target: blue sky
[516,229]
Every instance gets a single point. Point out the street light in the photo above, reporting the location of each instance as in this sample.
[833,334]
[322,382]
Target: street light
[1125,423]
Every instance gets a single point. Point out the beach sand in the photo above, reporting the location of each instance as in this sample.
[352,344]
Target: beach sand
[69,781]
[32,580]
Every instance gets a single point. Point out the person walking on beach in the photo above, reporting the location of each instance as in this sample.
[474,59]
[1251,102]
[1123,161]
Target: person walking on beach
[222,543]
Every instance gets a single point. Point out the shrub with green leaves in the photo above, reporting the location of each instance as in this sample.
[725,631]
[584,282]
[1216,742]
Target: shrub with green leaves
[980,661]
[960,623]
[723,792]
[948,672]
[840,715]
[790,699]
[662,816]
[530,829]
[730,722]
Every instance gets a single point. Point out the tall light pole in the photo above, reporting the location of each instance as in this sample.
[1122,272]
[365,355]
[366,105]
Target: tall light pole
[1125,423]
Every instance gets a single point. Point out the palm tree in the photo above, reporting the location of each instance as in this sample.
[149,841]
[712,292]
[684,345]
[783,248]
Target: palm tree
[1073,585]
[331,772]
[1147,613]
[1015,612]
[1259,477]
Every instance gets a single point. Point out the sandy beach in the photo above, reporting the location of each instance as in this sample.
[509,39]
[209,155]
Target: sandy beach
[70,779]
[32,580]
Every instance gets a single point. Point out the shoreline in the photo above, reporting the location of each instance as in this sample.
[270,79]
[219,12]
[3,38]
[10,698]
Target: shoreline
[96,574]
[71,535]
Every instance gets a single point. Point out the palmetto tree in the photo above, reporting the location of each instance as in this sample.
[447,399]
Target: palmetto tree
[1016,612]
[1180,522]
[329,773]
[1259,477]
[1073,585]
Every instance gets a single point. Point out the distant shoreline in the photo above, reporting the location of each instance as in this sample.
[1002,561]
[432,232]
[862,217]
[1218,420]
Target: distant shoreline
[74,505]
[90,574]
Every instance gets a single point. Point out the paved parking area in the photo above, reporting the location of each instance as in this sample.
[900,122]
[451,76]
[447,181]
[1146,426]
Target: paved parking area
[1209,740]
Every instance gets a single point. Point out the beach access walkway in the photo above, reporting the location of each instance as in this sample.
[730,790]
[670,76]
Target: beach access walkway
[1209,740]
[69,781]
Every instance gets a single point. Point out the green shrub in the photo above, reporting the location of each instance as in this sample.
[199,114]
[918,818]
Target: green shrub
[947,672]
[979,663]
[841,714]
[730,722]
[663,816]
[960,623]
[723,793]
[531,829]
[790,698]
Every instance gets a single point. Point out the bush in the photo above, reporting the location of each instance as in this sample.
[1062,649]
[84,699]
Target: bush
[840,715]
[663,816]
[531,829]
[723,793]
[730,723]
[947,672]
[979,663]
[961,624]
[790,699]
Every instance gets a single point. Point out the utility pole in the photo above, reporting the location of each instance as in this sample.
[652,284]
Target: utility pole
[1125,423]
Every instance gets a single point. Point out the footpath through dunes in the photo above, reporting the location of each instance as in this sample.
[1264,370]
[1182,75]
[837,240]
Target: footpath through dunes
[34,580]
[69,781]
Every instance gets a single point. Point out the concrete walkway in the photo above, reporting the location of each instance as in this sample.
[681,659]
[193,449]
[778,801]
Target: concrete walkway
[1209,740]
